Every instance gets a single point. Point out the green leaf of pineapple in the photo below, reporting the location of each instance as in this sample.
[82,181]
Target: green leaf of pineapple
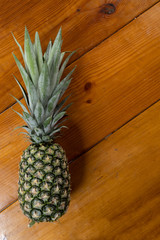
[32,94]
[57,125]
[56,130]
[42,75]
[39,131]
[66,107]
[27,129]
[21,104]
[55,68]
[20,48]
[56,48]
[44,84]
[64,66]
[63,85]
[23,92]
[60,105]
[23,72]
[38,52]
[57,118]
[39,112]
[61,57]
[47,124]
[35,139]
[31,121]
[20,115]
[30,58]
[46,54]
[46,139]
[26,119]
[52,103]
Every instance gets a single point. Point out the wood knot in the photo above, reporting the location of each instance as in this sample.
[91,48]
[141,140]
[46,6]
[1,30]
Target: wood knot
[89,101]
[87,86]
[108,8]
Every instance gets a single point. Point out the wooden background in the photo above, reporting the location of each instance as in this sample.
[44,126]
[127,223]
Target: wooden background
[113,141]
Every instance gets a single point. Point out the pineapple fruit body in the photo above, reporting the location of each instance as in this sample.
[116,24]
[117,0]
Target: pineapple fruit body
[44,182]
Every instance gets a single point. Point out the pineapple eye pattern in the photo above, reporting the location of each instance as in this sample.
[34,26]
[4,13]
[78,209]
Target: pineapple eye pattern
[44,188]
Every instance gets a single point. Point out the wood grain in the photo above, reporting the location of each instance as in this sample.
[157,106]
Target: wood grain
[107,92]
[115,190]
[85,24]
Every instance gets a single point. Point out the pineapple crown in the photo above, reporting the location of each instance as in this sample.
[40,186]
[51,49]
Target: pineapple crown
[44,87]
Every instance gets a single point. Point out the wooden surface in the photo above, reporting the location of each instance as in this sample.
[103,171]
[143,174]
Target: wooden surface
[85,24]
[115,190]
[109,86]
[116,184]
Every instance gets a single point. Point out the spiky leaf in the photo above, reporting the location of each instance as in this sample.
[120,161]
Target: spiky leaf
[57,118]
[31,121]
[35,138]
[44,84]
[20,115]
[60,105]
[27,129]
[52,103]
[58,125]
[55,48]
[21,104]
[62,56]
[47,123]
[30,58]
[20,48]
[39,131]
[55,70]
[42,75]
[39,112]
[64,66]
[23,92]
[38,52]
[56,130]
[32,95]
[23,72]
[46,54]
[63,85]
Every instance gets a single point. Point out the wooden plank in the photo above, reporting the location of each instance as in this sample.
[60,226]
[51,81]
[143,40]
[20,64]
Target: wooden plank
[85,24]
[11,146]
[107,92]
[115,190]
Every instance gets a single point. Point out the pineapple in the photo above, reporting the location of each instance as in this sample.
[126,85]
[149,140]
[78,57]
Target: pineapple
[44,179]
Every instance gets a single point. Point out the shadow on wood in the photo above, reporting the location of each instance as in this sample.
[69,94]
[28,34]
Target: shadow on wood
[73,152]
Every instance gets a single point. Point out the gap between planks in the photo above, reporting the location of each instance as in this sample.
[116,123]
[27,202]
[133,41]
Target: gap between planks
[129,22]
[118,30]
[107,136]
[83,153]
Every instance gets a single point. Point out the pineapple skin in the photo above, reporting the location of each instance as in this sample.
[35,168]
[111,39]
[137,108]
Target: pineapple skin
[44,182]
